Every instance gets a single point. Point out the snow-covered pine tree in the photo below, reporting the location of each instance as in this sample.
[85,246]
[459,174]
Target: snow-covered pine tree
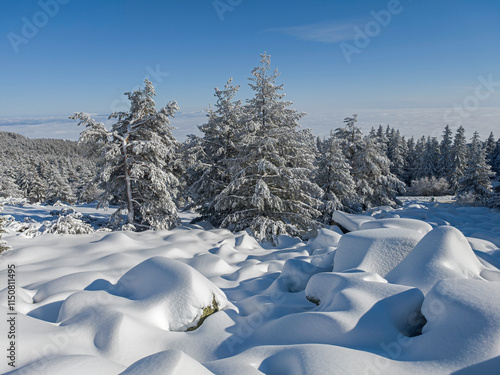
[58,188]
[411,162]
[381,137]
[31,184]
[350,136]
[475,184]
[8,185]
[138,160]
[375,183]
[3,243]
[495,158]
[270,192]
[420,150]
[397,153]
[446,154]
[430,158]
[460,155]
[334,177]
[210,173]
[489,147]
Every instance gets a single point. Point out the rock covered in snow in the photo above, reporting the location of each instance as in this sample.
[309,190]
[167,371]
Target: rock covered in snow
[324,239]
[164,292]
[357,309]
[350,222]
[295,275]
[374,250]
[463,322]
[444,253]
[412,224]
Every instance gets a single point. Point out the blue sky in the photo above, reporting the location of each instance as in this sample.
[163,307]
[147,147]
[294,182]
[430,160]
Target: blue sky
[82,55]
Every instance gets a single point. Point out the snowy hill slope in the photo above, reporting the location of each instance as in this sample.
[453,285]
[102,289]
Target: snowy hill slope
[389,297]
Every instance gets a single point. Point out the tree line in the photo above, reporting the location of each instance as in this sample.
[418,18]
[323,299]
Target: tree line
[252,168]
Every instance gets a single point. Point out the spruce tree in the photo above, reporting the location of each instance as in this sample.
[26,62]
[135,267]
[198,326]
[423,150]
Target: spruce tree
[431,157]
[411,162]
[210,173]
[475,183]
[3,243]
[495,158]
[270,192]
[489,148]
[397,153]
[334,177]
[460,155]
[420,154]
[446,154]
[376,185]
[138,160]
[350,136]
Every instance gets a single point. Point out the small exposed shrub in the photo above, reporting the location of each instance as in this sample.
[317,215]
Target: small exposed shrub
[429,186]
[69,224]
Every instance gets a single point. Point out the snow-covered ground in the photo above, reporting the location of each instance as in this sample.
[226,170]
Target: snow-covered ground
[408,291]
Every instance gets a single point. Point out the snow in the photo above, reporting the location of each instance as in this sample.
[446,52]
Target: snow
[412,224]
[399,294]
[169,362]
[375,250]
[349,221]
[443,253]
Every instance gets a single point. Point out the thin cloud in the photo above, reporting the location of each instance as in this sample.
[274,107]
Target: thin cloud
[325,32]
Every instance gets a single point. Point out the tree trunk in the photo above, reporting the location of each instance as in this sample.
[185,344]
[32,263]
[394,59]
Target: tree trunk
[130,203]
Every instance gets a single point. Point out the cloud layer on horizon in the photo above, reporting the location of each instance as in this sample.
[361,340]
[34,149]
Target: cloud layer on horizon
[410,121]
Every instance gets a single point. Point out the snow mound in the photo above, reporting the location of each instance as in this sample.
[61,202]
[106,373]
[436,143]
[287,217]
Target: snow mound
[229,253]
[357,309]
[210,265]
[350,222]
[169,362]
[374,250]
[164,292]
[325,239]
[362,298]
[443,253]
[69,364]
[295,275]
[413,224]
[247,242]
[463,322]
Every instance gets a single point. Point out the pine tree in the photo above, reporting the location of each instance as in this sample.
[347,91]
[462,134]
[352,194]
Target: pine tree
[31,184]
[334,177]
[210,173]
[489,148]
[375,184]
[270,192]
[350,136]
[411,162]
[495,158]
[431,157]
[138,162]
[59,189]
[8,186]
[475,183]
[3,243]
[397,153]
[446,154]
[460,155]
[420,154]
